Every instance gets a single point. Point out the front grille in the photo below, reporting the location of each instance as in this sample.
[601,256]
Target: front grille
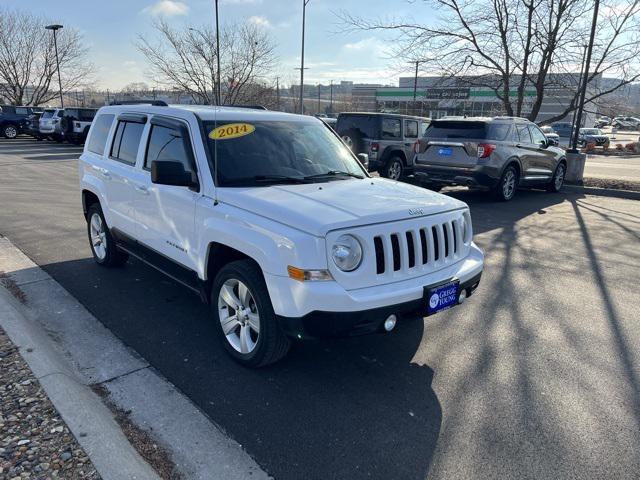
[439,243]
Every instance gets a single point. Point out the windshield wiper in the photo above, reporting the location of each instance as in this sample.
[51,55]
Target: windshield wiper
[334,173]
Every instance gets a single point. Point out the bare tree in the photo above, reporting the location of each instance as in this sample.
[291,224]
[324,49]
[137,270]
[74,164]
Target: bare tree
[28,63]
[520,49]
[185,60]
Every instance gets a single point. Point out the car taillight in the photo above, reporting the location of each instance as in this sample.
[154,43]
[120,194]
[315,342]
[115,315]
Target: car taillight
[485,149]
[375,147]
[416,146]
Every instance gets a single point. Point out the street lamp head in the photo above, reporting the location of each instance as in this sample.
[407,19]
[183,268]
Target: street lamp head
[54,27]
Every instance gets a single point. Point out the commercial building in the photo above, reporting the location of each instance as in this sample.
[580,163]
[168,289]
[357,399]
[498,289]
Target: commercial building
[437,97]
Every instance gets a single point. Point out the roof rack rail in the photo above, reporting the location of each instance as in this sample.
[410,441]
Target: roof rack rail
[252,107]
[155,103]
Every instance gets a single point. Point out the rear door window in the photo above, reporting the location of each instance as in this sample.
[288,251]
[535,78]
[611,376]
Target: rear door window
[451,130]
[391,128]
[126,142]
[410,129]
[99,133]
[22,111]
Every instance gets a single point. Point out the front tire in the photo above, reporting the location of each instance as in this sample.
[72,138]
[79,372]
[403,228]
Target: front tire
[508,184]
[244,317]
[103,247]
[557,181]
[393,169]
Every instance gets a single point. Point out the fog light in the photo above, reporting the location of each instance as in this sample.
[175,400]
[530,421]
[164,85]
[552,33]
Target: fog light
[462,297]
[390,322]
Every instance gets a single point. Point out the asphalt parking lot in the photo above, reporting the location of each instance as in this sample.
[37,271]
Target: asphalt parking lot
[536,376]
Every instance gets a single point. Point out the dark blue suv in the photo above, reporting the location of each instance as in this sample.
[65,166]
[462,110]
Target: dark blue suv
[13,120]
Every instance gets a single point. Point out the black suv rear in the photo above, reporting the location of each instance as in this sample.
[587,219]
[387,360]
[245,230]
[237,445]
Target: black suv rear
[500,153]
[390,140]
[13,120]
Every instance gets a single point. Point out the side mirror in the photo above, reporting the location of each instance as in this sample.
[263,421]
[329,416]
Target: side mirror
[172,173]
[364,159]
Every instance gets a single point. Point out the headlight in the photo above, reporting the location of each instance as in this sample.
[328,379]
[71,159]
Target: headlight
[347,253]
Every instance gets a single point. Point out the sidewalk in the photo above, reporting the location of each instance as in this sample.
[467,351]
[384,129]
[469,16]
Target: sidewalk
[123,414]
[34,440]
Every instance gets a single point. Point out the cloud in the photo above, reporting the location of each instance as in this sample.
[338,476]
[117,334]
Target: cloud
[169,8]
[240,2]
[259,21]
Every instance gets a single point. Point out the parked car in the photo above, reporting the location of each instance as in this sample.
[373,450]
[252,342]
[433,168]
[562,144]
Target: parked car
[563,129]
[552,136]
[50,125]
[75,124]
[498,154]
[13,120]
[388,139]
[626,123]
[32,126]
[602,122]
[593,136]
[273,221]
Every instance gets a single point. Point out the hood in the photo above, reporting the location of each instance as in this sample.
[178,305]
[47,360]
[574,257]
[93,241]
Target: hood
[318,208]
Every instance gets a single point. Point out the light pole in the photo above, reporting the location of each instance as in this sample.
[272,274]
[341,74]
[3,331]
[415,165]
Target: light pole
[415,83]
[585,76]
[55,29]
[331,97]
[573,120]
[304,11]
[218,53]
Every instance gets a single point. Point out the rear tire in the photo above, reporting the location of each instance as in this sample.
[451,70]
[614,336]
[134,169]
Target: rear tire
[557,181]
[242,307]
[10,131]
[393,169]
[508,184]
[103,246]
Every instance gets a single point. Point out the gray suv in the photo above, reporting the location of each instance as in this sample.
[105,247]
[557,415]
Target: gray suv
[390,140]
[498,154]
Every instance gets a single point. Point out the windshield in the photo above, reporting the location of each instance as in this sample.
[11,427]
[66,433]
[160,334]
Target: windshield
[591,131]
[263,152]
[47,114]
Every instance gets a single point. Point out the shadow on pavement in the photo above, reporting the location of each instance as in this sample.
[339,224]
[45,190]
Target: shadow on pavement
[348,408]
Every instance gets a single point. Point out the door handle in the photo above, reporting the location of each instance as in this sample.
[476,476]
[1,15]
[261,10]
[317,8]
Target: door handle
[142,189]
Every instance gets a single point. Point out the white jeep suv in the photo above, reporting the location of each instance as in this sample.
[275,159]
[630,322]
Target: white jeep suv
[273,221]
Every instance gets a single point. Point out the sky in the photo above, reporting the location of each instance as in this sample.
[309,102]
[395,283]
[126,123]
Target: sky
[110,28]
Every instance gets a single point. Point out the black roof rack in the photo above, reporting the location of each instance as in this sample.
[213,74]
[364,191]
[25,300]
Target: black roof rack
[155,103]
[253,107]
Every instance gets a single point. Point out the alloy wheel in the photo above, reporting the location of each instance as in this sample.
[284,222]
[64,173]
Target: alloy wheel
[239,316]
[10,132]
[509,184]
[395,170]
[559,179]
[98,236]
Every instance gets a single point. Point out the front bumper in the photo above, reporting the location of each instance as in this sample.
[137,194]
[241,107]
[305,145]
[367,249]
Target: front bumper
[478,176]
[325,308]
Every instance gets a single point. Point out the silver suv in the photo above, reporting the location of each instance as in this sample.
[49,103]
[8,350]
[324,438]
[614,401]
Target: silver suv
[498,154]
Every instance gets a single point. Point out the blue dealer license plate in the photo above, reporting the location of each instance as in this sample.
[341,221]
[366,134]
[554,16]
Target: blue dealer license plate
[444,152]
[441,297]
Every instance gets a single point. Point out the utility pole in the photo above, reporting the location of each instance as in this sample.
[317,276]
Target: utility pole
[585,78]
[331,97]
[415,83]
[55,29]
[304,11]
[108,98]
[318,98]
[278,93]
[218,54]
[579,89]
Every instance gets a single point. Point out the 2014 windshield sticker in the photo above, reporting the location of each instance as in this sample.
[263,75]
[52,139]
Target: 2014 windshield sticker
[231,130]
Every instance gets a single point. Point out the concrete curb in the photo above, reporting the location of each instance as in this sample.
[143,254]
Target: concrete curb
[604,192]
[72,351]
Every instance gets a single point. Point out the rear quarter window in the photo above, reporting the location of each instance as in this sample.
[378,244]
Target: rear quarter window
[99,133]
[367,125]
